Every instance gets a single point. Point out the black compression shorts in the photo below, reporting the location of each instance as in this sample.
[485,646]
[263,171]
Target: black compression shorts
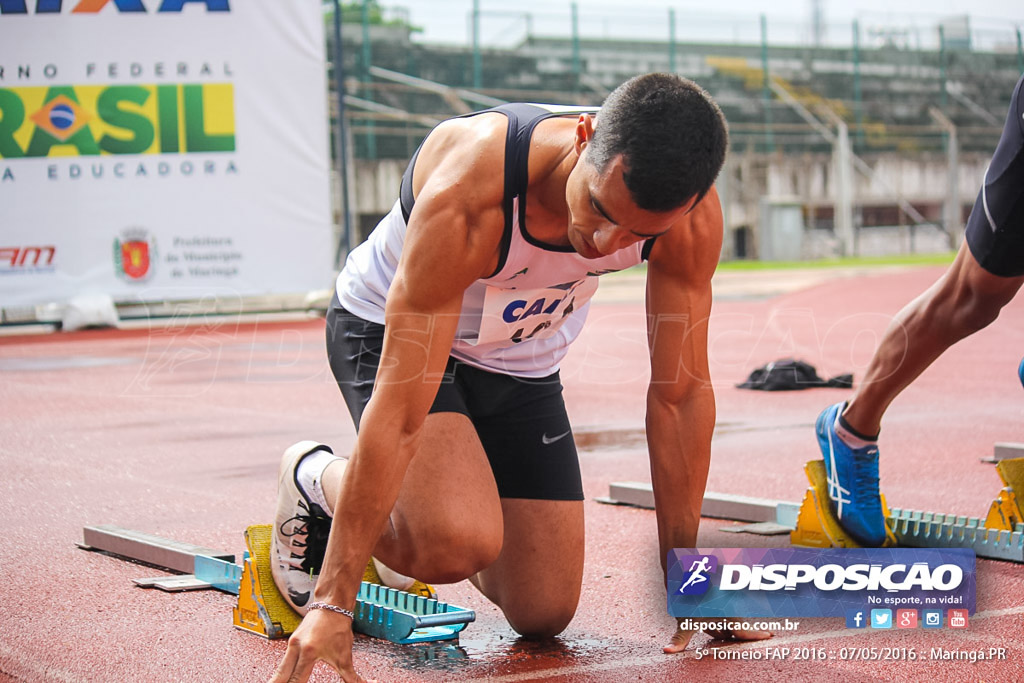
[995,230]
[521,422]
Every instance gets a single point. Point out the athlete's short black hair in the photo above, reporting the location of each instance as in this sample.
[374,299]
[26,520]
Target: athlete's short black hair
[672,137]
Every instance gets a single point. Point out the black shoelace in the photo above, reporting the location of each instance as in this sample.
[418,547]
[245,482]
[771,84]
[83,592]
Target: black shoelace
[314,527]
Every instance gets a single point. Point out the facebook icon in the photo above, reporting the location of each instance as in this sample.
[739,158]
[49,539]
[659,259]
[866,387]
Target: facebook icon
[856,618]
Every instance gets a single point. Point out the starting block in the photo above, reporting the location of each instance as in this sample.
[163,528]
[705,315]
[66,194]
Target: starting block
[1000,536]
[1005,512]
[412,616]
[816,524]
[935,530]
[404,618]
[398,616]
[261,609]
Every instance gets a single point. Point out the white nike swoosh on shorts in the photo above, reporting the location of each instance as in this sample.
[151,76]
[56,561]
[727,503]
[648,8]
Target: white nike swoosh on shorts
[548,441]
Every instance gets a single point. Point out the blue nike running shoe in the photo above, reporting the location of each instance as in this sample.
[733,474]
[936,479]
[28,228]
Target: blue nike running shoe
[852,482]
[1020,371]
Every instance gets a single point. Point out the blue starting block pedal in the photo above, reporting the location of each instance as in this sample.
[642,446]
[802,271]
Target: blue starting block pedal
[404,618]
[222,575]
[380,612]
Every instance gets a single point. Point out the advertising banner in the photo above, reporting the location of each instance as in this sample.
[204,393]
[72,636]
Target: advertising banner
[156,150]
[815,582]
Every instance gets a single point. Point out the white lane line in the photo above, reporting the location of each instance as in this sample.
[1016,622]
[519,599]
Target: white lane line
[26,662]
[541,674]
[657,658]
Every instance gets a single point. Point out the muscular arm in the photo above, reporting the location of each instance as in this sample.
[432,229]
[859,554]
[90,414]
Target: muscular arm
[452,239]
[680,399]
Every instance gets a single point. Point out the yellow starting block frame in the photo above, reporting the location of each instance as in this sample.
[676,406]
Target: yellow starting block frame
[1005,511]
[816,524]
[261,609]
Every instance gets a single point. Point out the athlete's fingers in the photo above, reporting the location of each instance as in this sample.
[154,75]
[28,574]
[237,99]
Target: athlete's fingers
[284,669]
[303,668]
[354,677]
[679,642]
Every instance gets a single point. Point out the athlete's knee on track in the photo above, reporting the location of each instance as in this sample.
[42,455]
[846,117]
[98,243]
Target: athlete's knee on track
[535,621]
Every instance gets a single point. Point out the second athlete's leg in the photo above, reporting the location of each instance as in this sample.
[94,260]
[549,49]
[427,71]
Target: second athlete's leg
[984,277]
[966,299]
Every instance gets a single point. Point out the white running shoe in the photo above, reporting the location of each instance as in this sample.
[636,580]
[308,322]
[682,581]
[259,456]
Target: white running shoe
[301,528]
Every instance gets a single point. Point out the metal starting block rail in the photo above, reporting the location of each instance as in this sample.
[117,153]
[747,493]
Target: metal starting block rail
[1005,451]
[931,530]
[147,548]
[381,612]
[766,516]
[811,523]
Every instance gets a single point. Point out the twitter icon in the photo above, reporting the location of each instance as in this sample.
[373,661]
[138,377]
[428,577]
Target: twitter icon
[881,618]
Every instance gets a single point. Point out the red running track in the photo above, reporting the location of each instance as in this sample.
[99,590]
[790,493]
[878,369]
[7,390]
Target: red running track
[178,431]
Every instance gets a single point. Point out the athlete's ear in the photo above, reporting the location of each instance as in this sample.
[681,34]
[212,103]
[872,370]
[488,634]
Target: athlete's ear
[584,132]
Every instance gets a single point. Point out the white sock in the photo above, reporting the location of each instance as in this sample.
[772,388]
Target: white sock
[849,438]
[310,475]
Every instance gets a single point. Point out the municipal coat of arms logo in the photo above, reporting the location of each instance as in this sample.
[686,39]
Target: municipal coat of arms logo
[134,255]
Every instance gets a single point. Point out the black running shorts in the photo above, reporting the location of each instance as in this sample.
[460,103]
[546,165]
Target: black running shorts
[521,422]
[995,230]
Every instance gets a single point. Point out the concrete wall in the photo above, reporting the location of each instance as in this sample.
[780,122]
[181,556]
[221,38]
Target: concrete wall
[808,179]
[921,178]
[881,227]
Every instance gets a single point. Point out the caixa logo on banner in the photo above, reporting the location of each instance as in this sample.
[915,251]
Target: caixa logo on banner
[94,6]
[810,582]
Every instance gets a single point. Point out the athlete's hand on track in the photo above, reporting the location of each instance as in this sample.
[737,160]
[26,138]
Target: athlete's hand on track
[322,635]
[679,641]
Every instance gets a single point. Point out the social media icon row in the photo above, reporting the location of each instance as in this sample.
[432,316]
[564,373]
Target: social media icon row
[904,618]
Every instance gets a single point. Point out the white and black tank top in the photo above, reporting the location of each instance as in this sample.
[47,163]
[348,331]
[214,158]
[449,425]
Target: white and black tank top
[521,319]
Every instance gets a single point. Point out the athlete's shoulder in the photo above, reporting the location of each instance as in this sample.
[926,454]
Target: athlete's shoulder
[692,247]
[463,147]
[458,183]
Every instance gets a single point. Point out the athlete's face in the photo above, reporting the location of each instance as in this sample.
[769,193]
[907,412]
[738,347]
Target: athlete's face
[602,215]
